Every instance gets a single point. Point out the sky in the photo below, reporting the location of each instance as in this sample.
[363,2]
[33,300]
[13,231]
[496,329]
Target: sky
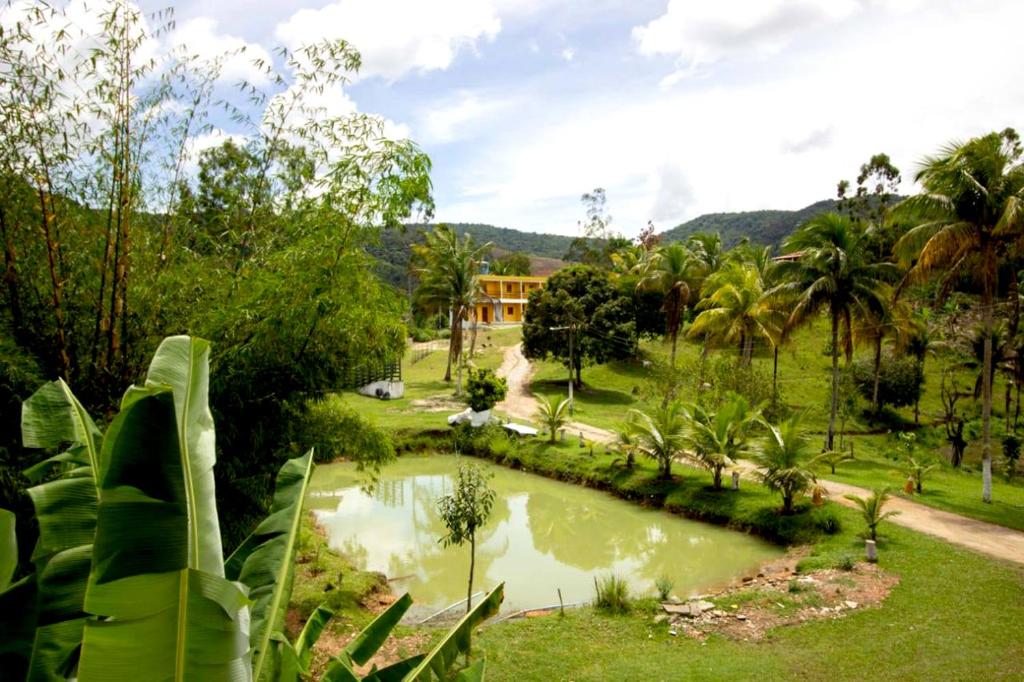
[675,107]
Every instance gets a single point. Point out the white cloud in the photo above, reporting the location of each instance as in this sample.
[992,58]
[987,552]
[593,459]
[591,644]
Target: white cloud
[396,37]
[703,32]
[201,37]
[755,140]
[458,116]
[568,54]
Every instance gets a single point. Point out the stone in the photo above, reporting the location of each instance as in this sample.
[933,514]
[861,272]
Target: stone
[701,605]
[660,618]
[677,609]
[735,480]
[718,613]
[748,578]
[740,616]
[673,633]
[871,550]
[851,604]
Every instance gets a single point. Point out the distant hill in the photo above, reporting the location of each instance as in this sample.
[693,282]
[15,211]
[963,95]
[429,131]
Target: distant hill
[394,251]
[761,227]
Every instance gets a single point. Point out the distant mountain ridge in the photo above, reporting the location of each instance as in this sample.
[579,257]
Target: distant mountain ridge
[768,227]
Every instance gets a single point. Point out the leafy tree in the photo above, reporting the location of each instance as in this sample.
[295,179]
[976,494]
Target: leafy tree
[669,270]
[834,272]
[553,414]
[718,440]
[661,435]
[464,511]
[450,279]
[877,189]
[970,209]
[782,460]
[485,390]
[953,420]
[871,509]
[737,310]
[579,300]
[898,383]
[515,263]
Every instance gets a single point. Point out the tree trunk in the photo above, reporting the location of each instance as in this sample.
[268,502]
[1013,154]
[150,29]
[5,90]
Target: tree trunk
[11,275]
[876,408]
[52,256]
[718,478]
[987,295]
[787,503]
[748,349]
[453,345]
[834,408]
[775,373]
[675,338]
[472,565]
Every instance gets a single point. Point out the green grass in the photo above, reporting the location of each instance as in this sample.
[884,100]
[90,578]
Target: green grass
[954,616]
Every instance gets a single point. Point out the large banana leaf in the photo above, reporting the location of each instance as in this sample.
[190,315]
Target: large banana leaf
[66,511]
[161,617]
[362,648]
[265,563]
[441,658]
[8,548]
[183,363]
[295,658]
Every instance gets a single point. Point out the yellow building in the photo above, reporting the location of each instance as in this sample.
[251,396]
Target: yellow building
[504,298]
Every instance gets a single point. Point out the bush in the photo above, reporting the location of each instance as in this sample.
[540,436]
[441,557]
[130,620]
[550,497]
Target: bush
[846,563]
[484,389]
[664,586]
[336,431]
[420,334]
[611,594]
[900,380]
[1011,453]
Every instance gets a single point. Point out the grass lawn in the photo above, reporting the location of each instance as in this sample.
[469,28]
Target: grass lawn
[954,616]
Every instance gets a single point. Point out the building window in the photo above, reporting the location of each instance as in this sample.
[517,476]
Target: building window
[510,310]
[508,288]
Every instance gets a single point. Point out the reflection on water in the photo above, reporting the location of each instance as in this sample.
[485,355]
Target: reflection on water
[542,535]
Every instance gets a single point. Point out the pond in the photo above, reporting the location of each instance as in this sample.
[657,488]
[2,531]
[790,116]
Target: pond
[543,535]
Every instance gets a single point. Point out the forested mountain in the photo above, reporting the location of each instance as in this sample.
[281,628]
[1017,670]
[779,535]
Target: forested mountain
[393,251]
[762,227]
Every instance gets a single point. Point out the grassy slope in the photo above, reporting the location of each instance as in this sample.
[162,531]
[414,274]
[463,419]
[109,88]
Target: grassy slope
[612,389]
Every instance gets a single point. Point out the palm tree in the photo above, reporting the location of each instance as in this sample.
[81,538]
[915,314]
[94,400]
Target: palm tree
[971,207]
[553,414]
[661,436]
[871,509]
[833,272]
[449,278]
[669,270]
[872,328]
[718,440]
[782,461]
[736,309]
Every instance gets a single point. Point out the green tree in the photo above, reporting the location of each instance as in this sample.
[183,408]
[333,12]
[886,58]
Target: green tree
[718,440]
[464,512]
[515,263]
[449,270]
[834,272]
[669,270]
[553,414]
[872,509]
[971,208]
[661,435]
[579,302]
[737,310]
[783,462]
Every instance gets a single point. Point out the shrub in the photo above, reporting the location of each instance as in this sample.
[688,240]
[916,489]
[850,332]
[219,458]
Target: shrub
[899,382]
[420,334]
[1011,453]
[846,563]
[664,586]
[826,520]
[335,430]
[484,389]
[611,594]
[871,510]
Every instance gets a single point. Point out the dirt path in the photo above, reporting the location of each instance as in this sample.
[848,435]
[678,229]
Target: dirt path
[987,538]
[520,403]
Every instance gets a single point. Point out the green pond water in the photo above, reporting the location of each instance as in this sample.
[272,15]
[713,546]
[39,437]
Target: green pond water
[543,535]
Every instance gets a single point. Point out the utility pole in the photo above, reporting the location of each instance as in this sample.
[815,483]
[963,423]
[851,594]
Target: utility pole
[571,329]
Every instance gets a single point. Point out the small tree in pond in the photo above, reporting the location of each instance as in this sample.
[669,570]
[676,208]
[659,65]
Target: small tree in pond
[464,511]
[782,461]
[871,510]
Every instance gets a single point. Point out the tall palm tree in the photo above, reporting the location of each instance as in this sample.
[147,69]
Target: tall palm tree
[449,270]
[971,208]
[669,270]
[660,436]
[834,272]
[736,309]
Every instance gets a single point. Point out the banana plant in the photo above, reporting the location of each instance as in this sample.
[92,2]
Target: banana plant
[130,580]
